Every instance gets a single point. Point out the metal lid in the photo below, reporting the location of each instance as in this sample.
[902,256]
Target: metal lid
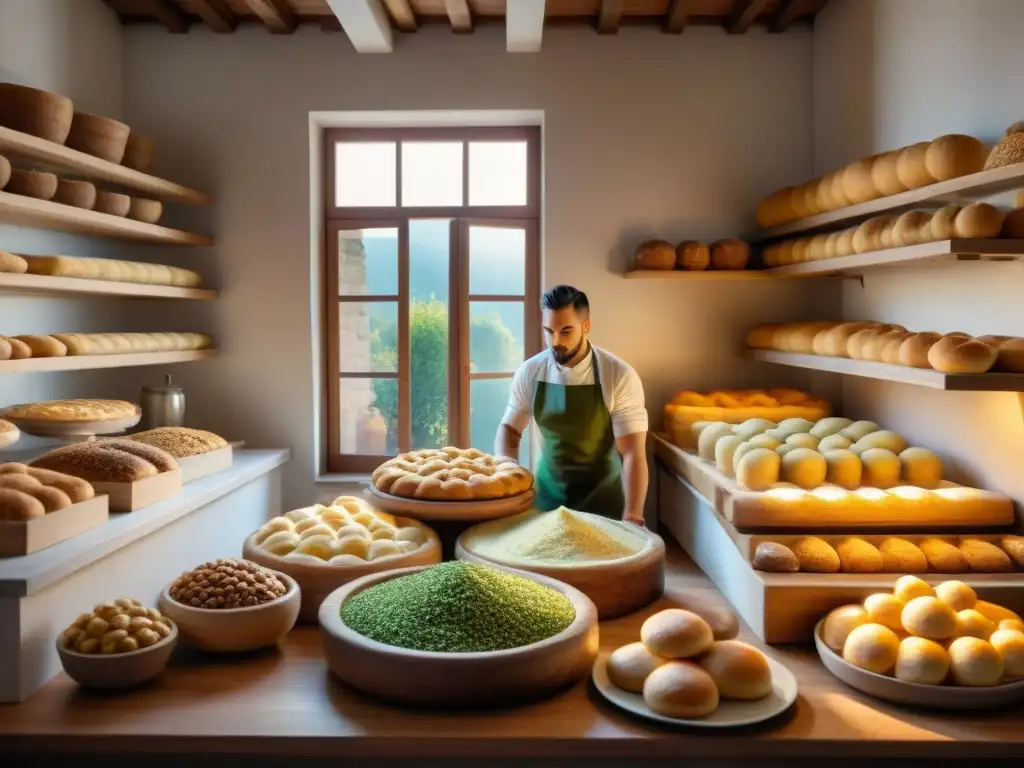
[167,388]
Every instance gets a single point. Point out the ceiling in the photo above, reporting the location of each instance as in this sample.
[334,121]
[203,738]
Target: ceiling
[372,24]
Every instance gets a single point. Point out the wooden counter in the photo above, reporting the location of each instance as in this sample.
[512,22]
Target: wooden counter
[285,702]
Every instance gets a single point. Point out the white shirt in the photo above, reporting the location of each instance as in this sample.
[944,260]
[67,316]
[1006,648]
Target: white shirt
[621,387]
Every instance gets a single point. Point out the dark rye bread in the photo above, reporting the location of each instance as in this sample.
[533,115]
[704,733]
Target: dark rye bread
[97,465]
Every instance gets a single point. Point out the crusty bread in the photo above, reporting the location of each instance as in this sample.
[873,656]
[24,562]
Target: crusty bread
[72,410]
[451,474]
[655,254]
[44,346]
[955,354]
[162,460]
[729,254]
[181,442]
[87,461]
[10,262]
[914,350]
[775,558]
[17,506]
[51,498]
[75,488]
[19,349]
[693,255]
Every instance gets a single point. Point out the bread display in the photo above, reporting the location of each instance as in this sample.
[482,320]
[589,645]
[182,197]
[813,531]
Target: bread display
[113,270]
[72,411]
[78,344]
[181,442]
[122,626]
[1009,150]
[27,492]
[655,254]
[110,461]
[451,474]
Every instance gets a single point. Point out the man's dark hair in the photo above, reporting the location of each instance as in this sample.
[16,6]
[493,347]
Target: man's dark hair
[562,296]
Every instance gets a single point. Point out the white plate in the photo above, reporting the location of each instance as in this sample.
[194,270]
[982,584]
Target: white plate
[730,713]
[917,694]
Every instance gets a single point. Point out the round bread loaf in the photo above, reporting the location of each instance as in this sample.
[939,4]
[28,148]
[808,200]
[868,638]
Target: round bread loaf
[955,354]
[884,177]
[774,209]
[985,557]
[831,244]
[914,350]
[655,254]
[676,634]
[1009,644]
[773,557]
[730,254]
[979,220]
[843,467]
[1013,224]
[975,662]
[920,467]
[957,595]
[630,665]
[954,155]
[884,608]
[970,623]
[901,556]
[840,623]
[911,228]
[911,168]
[872,647]
[681,689]
[693,255]
[921,661]
[1011,354]
[868,236]
[740,671]
[891,346]
[816,555]
[758,469]
[858,183]
[942,556]
[811,202]
[943,223]
[929,617]
[907,588]
[858,556]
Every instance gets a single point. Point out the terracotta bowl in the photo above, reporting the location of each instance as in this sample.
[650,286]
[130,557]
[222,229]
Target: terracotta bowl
[98,136]
[459,680]
[5,171]
[138,153]
[148,211]
[42,186]
[233,630]
[80,194]
[113,203]
[118,670]
[37,113]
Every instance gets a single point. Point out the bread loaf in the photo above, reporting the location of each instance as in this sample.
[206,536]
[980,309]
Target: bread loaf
[162,460]
[883,173]
[44,346]
[891,346]
[816,555]
[911,228]
[914,350]
[76,489]
[911,168]
[19,349]
[844,243]
[954,155]
[979,220]
[1009,150]
[730,254]
[18,506]
[900,556]
[181,442]
[94,464]
[868,236]
[655,254]
[943,223]
[13,263]
[942,556]
[833,342]
[955,354]
[772,557]
[984,557]
[692,255]
[858,556]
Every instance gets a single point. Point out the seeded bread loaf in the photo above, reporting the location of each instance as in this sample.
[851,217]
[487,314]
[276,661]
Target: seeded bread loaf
[160,459]
[98,463]
[181,442]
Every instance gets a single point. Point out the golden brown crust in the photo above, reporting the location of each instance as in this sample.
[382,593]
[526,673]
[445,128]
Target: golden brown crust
[94,464]
[75,488]
[162,460]
[451,474]
[16,505]
[72,410]
[181,442]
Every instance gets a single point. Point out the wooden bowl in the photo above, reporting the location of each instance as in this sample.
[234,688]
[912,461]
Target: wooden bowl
[432,679]
[113,203]
[42,186]
[316,582]
[5,171]
[449,510]
[118,670]
[98,136]
[35,112]
[932,696]
[80,194]
[145,210]
[617,587]
[232,630]
[138,153]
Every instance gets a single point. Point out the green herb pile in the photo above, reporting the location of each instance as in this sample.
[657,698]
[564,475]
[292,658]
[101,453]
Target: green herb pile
[458,608]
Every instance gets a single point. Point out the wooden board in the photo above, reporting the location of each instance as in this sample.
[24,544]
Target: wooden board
[195,467]
[449,510]
[46,285]
[90,362]
[19,538]
[752,511]
[44,214]
[55,156]
[128,497]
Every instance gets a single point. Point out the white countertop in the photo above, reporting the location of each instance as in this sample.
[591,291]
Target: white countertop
[20,576]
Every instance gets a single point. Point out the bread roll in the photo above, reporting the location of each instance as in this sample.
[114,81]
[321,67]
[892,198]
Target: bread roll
[1013,224]
[907,588]
[858,430]
[76,489]
[911,228]
[833,342]
[655,254]
[929,617]
[681,689]
[798,203]
[709,436]
[921,661]
[630,665]
[882,438]
[868,236]
[1009,644]
[740,671]
[676,634]
[803,440]
[830,425]
[18,506]
[76,344]
[838,195]
[858,556]
[858,185]
[959,355]
[692,255]
[843,467]
[19,349]
[979,220]
[984,557]
[943,223]
[44,346]
[12,263]
[844,243]
[900,556]
[1016,626]
[730,254]
[1014,547]
[761,336]
[5,349]
[911,168]
[914,350]
[804,467]
[872,647]
[840,623]
[725,449]
[891,346]
[885,609]
[957,595]
[773,557]
[884,177]
[995,612]
[773,209]
[758,469]
[816,555]
[970,623]
[831,243]
[920,467]
[975,662]
[801,339]
[880,468]
[954,155]
[798,252]
[942,556]
[752,427]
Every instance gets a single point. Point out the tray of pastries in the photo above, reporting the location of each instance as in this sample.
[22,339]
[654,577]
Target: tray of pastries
[60,418]
[199,453]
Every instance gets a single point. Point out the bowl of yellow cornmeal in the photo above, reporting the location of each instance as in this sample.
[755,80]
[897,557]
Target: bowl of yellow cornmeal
[619,566]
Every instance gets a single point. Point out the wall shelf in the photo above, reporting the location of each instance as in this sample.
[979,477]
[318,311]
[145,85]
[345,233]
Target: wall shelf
[59,157]
[44,285]
[974,186]
[939,251]
[683,275]
[92,362]
[43,214]
[921,377]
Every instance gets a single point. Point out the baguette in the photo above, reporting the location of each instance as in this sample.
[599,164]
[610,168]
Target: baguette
[44,346]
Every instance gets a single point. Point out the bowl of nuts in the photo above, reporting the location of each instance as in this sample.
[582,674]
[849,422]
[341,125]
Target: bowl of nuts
[230,606]
[117,645]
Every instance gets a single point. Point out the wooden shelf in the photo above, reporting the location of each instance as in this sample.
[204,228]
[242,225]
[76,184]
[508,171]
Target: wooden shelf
[91,362]
[704,276]
[62,286]
[974,186]
[30,212]
[921,377]
[939,251]
[58,157]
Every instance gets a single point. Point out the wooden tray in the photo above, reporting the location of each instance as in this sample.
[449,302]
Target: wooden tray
[616,587]
[449,510]
[128,497]
[448,680]
[932,696]
[72,429]
[195,467]
[19,538]
[318,581]
[831,508]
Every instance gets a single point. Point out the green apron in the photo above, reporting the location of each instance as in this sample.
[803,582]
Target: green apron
[579,465]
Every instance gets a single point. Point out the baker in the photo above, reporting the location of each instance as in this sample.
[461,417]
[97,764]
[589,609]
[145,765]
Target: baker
[588,406]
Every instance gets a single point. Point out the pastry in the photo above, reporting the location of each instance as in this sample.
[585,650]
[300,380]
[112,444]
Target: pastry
[451,474]
[730,254]
[954,155]
[681,689]
[655,254]
[955,354]
[693,255]
[676,634]
[840,623]
[975,662]
[774,558]
[72,411]
[44,346]
[181,442]
[631,665]
[921,661]
[929,617]
[740,671]
[816,555]
[10,262]
[979,220]
[872,647]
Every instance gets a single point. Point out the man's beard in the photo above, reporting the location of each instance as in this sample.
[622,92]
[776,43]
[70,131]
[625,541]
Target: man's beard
[563,355]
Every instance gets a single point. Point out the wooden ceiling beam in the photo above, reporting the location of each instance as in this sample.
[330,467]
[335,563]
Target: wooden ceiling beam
[276,15]
[459,15]
[402,13]
[608,17]
[170,15]
[524,26]
[787,13]
[678,13]
[743,15]
[366,23]
[217,14]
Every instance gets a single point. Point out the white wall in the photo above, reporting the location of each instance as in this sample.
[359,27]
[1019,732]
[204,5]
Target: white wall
[645,134]
[893,72]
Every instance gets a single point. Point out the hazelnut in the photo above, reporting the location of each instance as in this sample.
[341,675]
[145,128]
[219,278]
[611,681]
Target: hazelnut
[147,637]
[127,645]
[71,636]
[121,621]
[89,645]
[140,622]
[97,627]
[227,584]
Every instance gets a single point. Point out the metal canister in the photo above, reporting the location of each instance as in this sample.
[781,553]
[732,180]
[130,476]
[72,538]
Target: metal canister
[163,406]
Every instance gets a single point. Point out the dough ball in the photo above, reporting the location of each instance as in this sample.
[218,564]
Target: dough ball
[975,662]
[844,467]
[942,556]
[803,440]
[711,435]
[858,184]
[773,557]
[858,556]
[840,623]
[804,467]
[858,430]
[885,609]
[995,612]
[829,426]
[868,236]
[911,168]
[833,443]
[1009,643]
[681,689]
[979,220]
[985,557]
[752,427]
[970,623]
[785,448]
[920,467]
[884,176]
[901,556]
[758,469]
[1013,624]
[1014,547]
[929,617]
[943,223]
[740,671]
[872,647]
[630,665]
[911,228]
[957,595]
[816,555]
[796,425]
[764,441]
[881,468]
[676,634]
[883,438]
[922,661]
[725,449]
[907,588]
[954,155]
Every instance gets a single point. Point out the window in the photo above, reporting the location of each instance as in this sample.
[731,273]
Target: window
[432,276]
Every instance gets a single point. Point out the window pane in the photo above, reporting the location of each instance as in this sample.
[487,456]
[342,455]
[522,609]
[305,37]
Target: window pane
[497,173]
[368,427]
[497,261]
[495,336]
[364,173]
[488,399]
[367,337]
[428,317]
[431,173]
[368,262]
